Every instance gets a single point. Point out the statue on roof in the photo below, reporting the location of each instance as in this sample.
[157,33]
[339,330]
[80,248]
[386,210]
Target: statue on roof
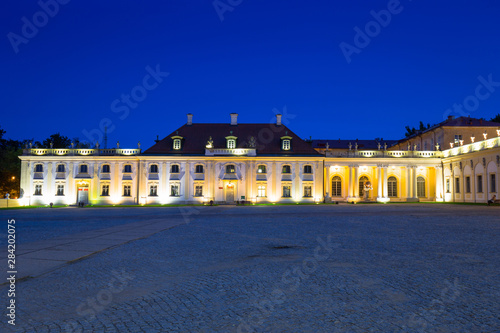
[210,143]
[252,143]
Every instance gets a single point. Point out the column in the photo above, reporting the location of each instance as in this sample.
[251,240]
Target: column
[50,183]
[408,182]
[349,184]
[277,179]
[187,170]
[94,187]
[439,182]
[414,182]
[115,185]
[328,185]
[379,182]
[164,183]
[384,181]
[355,182]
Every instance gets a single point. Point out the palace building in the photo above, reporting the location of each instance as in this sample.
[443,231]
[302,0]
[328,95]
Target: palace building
[260,163]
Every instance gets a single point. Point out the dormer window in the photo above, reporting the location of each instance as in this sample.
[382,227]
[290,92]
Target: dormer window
[286,142]
[231,141]
[177,142]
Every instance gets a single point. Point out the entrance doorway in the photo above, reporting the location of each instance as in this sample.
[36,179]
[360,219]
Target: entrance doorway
[230,193]
[83,194]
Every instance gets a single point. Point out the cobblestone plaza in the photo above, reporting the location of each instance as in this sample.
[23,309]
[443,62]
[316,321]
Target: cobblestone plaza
[290,268]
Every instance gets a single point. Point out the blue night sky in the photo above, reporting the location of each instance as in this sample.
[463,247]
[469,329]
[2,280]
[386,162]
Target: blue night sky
[76,71]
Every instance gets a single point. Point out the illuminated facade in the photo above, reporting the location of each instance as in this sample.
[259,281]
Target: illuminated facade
[258,163]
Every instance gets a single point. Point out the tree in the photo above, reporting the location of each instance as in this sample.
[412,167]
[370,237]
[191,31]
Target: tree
[10,166]
[58,140]
[496,118]
[411,131]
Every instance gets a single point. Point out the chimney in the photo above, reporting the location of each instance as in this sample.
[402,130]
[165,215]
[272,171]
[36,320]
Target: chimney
[190,119]
[451,118]
[234,119]
[278,120]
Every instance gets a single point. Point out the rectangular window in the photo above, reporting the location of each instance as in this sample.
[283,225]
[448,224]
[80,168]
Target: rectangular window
[307,191]
[126,190]
[286,169]
[39,168]
[174,168]
[307,169]
[493,183]
[261,169]
[127,168]
[38,189]
[84,168]
[198,191]
[105,168]
[287,191]
[174,190]
[60,168]
[198,169]
[479,184]
[467,184]
[261,191]
[457,185]
[448,185]
[153,190]
[105,190]
[458,138]
[286,144]
[60,190]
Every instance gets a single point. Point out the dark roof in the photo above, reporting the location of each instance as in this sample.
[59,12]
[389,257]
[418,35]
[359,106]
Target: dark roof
[456,122]
[344,144]
[268,139]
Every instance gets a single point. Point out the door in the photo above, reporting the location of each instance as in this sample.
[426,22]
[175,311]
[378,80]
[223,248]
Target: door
[83,195]
[230,193]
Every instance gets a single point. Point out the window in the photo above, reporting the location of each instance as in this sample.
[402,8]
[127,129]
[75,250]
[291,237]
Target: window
[198,169]
[480,184]
[60,190]
[307,191]
[458,138]
[177,144]
[287,191]
[174,168]
[153,190]
[105,190]
[336,186]
[39,168]
[127,168]
[467,184]
[421,187]
[285,144]
[392,187]
[230,168]
[105,168]
[174,190]
[457,185]
[307,169]
[231,143]
[198,191]
[361,185]
[60,168]
[286,169]
[153,168]
[447,185]
[84,168]
[493,185]
[261,191]
[261,169]
[126,190]
[38,189]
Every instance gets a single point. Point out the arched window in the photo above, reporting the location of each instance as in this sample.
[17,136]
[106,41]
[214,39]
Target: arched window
[261,169]
[174,168]
[336,186]
[153,168]
[39,168]
[105,168]
[362,182]
[127,168]
[230,168]
[392,187]
[198,168]
[286,144]
[286,169]
[61,168]
[421,187]
[307,169]
[84,168]
[231,143]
